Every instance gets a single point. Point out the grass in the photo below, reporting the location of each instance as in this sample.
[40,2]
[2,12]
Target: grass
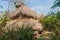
[24,33]
[50,23]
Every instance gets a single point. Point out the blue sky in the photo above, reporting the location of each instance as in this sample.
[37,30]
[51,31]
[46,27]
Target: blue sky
[40,6]
[4,4]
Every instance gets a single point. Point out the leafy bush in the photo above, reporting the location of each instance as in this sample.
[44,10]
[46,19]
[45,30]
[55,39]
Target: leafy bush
[42,38]
[3,20]
[51,23]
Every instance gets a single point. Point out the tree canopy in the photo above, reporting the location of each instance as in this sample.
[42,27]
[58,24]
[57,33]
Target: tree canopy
[56,4]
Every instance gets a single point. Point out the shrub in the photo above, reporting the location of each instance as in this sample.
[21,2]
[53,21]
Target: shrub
[51,23]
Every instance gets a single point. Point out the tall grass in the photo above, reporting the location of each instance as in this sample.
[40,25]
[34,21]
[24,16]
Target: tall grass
[24,33]
[50,23]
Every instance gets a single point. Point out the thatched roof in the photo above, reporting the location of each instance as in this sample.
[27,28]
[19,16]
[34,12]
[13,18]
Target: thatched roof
[23,10]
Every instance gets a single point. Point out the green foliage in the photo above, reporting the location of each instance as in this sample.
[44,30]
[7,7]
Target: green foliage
[51,20]
[3,21]
[54,37]
[51,23]
[56,4]
[42,38]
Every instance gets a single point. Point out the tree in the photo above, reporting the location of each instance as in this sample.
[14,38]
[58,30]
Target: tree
[56,4]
